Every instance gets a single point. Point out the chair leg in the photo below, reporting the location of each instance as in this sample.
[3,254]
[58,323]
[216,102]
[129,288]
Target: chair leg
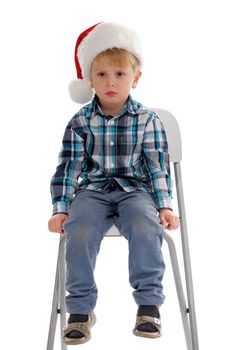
[179,289]
[54,312]
[186,257]
[62,291]
[58,301]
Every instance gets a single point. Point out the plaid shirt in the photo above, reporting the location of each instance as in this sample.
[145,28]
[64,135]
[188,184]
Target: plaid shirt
[130,148]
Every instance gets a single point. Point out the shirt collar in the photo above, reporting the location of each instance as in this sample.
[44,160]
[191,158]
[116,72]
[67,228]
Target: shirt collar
[131,108]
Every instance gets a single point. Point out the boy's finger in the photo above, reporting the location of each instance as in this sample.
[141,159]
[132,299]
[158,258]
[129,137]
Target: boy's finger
[58,230]
[164,222]
[174,224]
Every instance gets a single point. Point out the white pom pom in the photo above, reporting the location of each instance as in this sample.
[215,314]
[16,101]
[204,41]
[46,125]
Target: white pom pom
[80,91]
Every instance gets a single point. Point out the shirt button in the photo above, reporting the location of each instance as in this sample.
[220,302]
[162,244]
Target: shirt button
[111,143]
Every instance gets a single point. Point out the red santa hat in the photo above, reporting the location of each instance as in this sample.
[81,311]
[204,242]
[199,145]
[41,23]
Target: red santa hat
[90,43]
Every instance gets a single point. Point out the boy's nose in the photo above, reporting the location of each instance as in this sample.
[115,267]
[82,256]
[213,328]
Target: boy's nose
[111,81]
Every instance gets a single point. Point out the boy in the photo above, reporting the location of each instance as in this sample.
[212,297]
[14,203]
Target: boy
[119,149]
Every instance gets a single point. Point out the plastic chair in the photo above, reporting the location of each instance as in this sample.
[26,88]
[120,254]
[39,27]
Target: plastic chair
[187,308]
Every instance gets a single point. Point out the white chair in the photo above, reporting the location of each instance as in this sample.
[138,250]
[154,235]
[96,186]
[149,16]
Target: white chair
[187,308]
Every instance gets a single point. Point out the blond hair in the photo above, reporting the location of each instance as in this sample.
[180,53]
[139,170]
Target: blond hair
[119,57]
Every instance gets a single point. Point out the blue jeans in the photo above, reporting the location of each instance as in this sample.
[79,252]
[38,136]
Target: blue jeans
[92,213]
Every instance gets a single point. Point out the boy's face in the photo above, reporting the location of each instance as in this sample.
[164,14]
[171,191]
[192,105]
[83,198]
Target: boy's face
[112,84]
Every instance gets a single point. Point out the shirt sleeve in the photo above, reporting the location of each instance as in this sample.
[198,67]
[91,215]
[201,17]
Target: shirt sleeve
[65,180]
[155,150]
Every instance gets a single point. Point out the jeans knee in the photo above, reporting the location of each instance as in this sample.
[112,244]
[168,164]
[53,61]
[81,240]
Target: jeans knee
[80,233]
[142,228]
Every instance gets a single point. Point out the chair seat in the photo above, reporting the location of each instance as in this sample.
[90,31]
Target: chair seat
[113,231]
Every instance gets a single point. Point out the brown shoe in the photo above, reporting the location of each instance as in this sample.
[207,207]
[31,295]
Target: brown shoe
[153,321]
[81,327]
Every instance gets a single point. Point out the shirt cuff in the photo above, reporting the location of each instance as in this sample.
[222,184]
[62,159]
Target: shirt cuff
[60,207]
[164,202]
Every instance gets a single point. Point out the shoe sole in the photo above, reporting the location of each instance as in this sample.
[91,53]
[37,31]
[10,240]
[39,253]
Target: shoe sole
[76,341]
[146,334]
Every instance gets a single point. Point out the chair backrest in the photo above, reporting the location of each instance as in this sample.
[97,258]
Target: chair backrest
[173,134]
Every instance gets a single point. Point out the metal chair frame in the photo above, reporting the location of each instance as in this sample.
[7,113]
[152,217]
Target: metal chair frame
[187,305]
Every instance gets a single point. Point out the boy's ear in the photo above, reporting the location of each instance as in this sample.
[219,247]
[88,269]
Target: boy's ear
[136,78]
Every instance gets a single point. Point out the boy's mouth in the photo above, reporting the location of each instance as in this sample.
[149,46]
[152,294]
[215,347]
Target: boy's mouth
[111,93]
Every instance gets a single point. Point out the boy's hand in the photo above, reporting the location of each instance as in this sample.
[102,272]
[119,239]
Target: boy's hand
[56,222]
[168,219]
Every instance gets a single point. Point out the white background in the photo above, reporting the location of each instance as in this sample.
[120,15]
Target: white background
[187,49]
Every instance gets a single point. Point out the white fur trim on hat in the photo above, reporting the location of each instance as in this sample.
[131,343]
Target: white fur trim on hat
[80,91]
[95,40]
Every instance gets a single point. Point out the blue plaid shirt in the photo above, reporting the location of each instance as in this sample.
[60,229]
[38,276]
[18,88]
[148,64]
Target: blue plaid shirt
[130,148]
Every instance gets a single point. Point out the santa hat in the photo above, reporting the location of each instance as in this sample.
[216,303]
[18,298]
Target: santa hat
[90,43]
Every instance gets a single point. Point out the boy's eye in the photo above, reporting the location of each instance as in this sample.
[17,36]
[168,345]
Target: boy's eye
[101,74]
[120,74]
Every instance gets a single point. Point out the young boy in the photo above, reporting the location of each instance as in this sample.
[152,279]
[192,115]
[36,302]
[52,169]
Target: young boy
[119,150]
